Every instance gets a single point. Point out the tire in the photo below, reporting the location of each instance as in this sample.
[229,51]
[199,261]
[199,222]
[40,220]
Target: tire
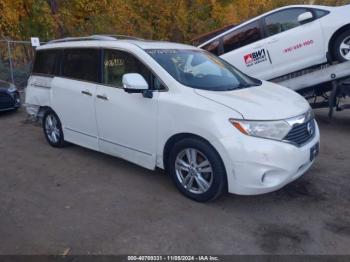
[194,179]
[53,129]
[341,47]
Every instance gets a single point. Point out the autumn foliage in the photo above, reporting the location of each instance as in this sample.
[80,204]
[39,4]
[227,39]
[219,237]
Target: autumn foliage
[176,20]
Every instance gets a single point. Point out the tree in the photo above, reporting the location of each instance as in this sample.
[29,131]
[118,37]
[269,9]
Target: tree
[53,5]
[10,13]
[177,20]
[36,20]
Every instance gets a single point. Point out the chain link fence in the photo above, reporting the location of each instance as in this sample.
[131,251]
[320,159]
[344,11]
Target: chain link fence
[16,58]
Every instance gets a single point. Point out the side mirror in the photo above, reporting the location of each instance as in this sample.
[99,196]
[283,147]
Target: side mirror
[135,83]
[305,17]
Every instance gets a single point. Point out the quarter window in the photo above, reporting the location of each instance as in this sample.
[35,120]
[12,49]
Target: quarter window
[117,63]
[46,62]
[283,20]
[320,13]
[243,36]
[81,64]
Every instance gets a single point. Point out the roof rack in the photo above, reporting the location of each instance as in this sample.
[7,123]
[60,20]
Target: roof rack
[122,37]
[94,38]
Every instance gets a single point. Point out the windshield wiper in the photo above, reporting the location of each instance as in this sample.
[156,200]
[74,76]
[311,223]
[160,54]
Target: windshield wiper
[241,85]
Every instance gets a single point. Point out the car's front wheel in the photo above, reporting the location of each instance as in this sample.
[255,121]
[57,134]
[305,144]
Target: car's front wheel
[53,129]
[341,47]
[197,170]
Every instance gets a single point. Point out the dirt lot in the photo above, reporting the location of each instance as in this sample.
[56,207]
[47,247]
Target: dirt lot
[52,200]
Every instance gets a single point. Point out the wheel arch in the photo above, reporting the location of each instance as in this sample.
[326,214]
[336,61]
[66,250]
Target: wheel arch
[334,36]
[178,137]
[42,110]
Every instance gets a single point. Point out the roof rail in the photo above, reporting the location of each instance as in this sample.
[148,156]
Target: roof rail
[123,37]
[83,38]
[94,38]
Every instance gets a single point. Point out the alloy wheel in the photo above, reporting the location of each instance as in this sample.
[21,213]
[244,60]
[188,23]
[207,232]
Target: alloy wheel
[345,48]
[52,129]
[194,171]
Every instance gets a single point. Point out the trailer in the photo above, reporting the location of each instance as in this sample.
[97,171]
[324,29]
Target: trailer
[324,86]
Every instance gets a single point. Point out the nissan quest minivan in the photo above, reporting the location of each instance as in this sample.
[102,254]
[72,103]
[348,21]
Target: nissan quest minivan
[175,107]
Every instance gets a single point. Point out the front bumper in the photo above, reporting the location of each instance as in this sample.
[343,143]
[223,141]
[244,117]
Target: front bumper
[257,166]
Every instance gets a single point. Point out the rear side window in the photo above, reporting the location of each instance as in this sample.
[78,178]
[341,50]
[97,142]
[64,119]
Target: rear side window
[283,20]
[243,36]
[81,64]
[46,62]
[213,47]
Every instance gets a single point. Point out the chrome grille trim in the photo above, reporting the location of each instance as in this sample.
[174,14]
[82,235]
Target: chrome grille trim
[301,133]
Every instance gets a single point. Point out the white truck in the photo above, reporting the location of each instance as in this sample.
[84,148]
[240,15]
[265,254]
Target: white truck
[327,85]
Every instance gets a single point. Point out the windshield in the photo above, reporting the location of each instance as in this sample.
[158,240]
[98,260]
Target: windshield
[201,70]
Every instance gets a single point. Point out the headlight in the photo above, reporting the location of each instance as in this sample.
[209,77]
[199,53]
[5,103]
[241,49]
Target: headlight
[276,130]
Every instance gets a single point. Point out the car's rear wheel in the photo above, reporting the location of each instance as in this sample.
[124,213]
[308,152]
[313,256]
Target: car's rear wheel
[53,129]
[197,170]
[341,47]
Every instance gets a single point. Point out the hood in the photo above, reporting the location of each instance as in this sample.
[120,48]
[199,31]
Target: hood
[266,102]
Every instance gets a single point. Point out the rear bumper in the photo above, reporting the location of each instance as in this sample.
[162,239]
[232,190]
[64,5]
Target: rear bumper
[257,166]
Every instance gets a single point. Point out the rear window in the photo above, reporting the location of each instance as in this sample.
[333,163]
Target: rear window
[81,64]
[243,36]
[46,62]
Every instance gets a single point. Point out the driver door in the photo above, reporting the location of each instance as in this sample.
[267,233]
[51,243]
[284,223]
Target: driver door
[126,122]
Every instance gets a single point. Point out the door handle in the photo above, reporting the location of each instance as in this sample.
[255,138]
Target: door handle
[86,92]
[103,97]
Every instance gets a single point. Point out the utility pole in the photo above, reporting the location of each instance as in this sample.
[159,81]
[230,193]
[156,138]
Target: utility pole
[10,61]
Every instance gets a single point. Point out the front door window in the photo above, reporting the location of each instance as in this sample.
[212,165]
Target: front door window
[283,20]
[117,63]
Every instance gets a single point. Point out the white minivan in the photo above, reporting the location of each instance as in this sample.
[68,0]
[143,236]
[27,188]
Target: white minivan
[175,107]
[284,40]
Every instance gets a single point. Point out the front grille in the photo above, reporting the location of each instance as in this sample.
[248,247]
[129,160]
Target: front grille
[301,133]
[6,101]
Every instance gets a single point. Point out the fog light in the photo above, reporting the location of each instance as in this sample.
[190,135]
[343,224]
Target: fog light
[274,177]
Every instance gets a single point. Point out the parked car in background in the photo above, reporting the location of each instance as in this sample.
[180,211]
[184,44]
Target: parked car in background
[9,97]
[176,107]
[285,40]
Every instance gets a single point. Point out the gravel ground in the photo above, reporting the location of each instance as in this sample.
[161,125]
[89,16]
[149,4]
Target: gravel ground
[77,201]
